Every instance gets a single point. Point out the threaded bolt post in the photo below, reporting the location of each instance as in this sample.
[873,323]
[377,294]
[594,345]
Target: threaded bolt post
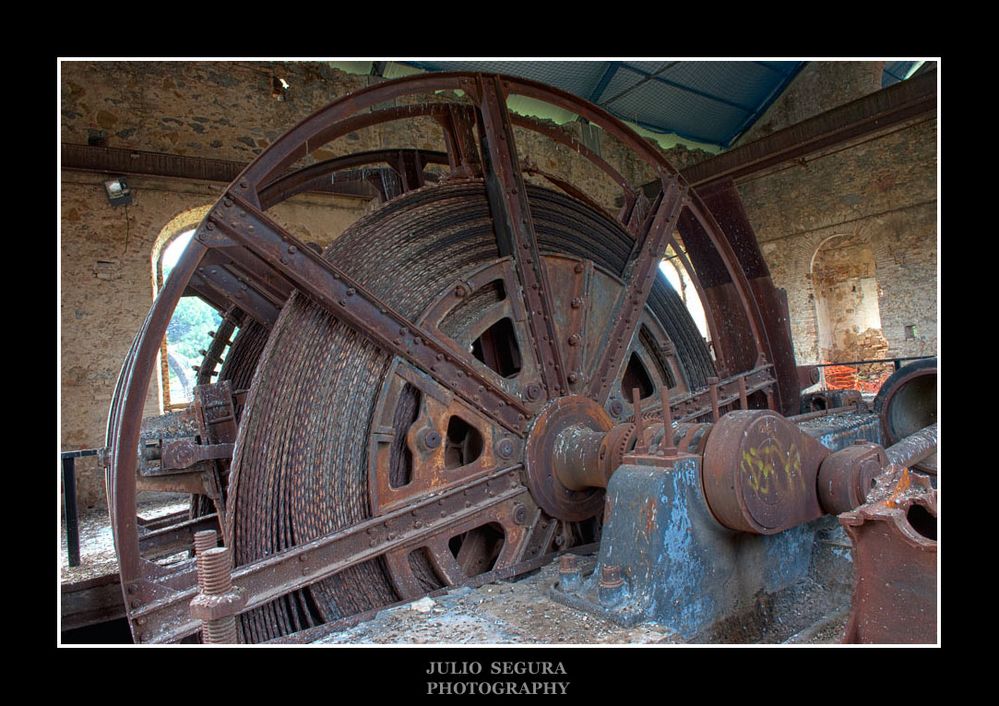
[215,579]
[204,540]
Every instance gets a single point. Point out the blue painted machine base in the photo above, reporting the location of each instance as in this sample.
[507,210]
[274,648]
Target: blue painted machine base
[681,568]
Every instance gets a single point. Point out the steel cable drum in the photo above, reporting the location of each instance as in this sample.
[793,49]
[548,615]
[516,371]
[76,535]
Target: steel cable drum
[300,469]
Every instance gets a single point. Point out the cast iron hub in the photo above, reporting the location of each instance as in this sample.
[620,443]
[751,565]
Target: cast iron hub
[566,435]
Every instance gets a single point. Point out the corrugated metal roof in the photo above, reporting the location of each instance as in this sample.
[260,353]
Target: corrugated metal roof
[711,102]
[896,71]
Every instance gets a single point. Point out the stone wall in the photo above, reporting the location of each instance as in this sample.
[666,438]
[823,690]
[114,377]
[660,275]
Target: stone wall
[107,287]
[880,192]
[818,87]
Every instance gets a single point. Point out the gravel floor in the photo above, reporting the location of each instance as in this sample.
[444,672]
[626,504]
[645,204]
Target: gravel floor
[521,612]
[498,613]
[97,556]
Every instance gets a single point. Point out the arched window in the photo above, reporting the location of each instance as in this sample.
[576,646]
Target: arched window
[680,280]
[192,321]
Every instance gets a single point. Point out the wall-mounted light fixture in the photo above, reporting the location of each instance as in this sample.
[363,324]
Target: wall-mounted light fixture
[118,192]
[279,88]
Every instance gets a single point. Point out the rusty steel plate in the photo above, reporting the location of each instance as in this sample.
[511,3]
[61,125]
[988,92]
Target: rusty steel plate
[759,472]
[895,570]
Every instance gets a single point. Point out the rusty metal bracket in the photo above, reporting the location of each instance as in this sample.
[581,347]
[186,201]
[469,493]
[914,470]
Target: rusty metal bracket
[895,559]
[179,454]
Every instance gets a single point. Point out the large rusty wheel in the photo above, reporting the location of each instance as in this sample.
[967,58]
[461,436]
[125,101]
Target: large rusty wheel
[351,431]
[407,386]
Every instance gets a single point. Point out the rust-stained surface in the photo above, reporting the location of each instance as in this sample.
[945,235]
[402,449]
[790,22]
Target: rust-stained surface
[445,390]
[846,476]
[895,562]
[760,472]
[907,402]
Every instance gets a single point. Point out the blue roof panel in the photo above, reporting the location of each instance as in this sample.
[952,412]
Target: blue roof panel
[707,101]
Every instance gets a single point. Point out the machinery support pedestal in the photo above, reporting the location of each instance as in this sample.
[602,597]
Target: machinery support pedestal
[680,567]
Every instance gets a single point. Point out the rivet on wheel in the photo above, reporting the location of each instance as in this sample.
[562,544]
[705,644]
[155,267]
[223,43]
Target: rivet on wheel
[505,448]
[519,514]
[431,439]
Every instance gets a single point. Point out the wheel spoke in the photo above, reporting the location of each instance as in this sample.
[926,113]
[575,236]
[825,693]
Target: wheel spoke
[354,304]
[443,442]
[224,284]
[428,523]
[444,562]
[515,234]
[457,123]
[639,275]
[401,574]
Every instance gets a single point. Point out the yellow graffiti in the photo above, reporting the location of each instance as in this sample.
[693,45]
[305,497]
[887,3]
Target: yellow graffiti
[762,464]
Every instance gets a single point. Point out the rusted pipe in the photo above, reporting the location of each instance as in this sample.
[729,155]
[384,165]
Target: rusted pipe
[579,458]
[914,448]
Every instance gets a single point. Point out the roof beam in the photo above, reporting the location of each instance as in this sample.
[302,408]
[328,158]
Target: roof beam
[688,89]
[612,67]
[871,114]
[641,82]
[112,160]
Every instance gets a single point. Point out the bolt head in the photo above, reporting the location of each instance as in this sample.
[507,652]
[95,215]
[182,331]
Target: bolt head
[577,302]
[616,408]
[520,514]
[504,448]
[533,391]
[431,439]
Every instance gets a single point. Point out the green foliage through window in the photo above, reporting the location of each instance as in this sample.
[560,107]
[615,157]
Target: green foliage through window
[187,332]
